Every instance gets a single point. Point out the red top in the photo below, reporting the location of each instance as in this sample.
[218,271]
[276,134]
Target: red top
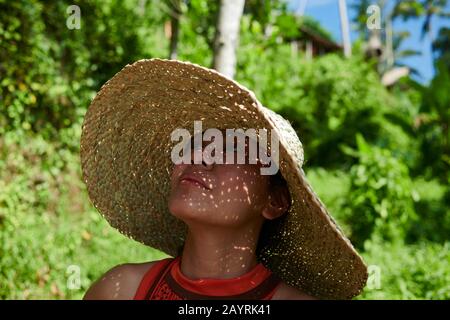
[164,281]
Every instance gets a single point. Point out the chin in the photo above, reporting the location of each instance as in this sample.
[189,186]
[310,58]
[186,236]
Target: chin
[182,210]
[188,214]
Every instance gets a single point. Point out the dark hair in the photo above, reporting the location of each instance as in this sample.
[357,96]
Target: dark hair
[277,181]
[270,226]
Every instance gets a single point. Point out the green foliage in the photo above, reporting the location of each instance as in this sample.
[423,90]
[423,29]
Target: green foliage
[332,187]
[47,224]
[414,271]
[197,32]
[441,46]
[408,272]
[433,223]
[433,125]
[421,8]
[52,70]
[380,201]
[315,27]
[263,11]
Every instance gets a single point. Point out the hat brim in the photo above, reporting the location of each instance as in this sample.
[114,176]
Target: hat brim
[125,157]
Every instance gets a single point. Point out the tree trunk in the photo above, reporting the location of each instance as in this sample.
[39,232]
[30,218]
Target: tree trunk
[390,58]
[345,30]
[302,7]
[227,36]
[175,15]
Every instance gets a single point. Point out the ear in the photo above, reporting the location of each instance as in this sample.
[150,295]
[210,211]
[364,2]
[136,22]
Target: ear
[278,203]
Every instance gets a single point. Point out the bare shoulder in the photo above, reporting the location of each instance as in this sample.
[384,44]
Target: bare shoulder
[119,283]
[287,292]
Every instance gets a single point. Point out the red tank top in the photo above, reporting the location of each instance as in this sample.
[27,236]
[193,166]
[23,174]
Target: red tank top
[164,281]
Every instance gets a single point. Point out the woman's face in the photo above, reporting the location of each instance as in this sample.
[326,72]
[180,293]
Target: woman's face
[218,194]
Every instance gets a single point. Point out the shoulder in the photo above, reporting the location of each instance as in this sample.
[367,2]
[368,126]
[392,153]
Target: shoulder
[287,292]
[119,283]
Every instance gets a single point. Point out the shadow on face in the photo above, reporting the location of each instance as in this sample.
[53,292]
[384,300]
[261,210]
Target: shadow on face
[226,194]
[222,194]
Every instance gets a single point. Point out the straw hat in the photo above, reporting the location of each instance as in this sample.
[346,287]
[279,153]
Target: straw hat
[125,158]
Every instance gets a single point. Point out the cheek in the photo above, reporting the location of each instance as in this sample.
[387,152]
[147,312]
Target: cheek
[244,189]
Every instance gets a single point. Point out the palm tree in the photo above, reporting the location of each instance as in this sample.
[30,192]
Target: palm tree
[384,44]
[301,8]
[426,8]
[175,12]
[361,17]
[441,46]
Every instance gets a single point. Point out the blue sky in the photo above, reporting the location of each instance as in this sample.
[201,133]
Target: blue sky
[327,13]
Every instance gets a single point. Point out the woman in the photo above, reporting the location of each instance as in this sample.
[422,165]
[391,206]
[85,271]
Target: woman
[234,233]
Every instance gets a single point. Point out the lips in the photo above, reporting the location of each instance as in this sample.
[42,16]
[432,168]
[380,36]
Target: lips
[188,178]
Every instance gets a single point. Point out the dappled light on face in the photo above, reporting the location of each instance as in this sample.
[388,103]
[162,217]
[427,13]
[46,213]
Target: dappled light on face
[242,248]
[217,194]
[246,192]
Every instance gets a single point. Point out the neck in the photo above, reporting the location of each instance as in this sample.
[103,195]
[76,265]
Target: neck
[219,253]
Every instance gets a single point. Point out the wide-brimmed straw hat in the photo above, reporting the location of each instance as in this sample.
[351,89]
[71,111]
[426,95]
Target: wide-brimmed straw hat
[126,162]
